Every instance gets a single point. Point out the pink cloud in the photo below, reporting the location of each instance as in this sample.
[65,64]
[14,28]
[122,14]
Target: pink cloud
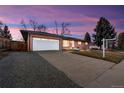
[83,28]
[117,21]
[43,14]
[48,14]
[75,30]
[6,20]
[119,30]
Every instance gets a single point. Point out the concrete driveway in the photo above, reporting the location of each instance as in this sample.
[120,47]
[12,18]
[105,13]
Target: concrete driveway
[82,70]
[29,70]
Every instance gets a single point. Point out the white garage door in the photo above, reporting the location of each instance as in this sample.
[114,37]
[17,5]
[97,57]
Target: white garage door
[45,44]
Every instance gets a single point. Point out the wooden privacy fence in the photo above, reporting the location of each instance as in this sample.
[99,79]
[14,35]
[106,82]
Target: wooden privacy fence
[6,43]
[18,46]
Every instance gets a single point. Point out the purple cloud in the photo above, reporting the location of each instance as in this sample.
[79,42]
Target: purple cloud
[82,18]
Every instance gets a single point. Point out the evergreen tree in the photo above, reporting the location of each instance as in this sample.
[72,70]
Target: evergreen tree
[7,32]
[103,30]
[87,37]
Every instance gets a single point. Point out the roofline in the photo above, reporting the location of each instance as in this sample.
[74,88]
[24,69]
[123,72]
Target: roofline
[48,34]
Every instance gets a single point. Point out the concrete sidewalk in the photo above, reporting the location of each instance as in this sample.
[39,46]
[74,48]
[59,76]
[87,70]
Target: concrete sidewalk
[112,78]
[82,70]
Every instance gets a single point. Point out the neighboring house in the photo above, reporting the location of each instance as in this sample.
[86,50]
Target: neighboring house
[42,41]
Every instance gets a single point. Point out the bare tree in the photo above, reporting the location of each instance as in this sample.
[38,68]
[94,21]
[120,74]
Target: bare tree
[7,33]
[65,29]
[69,32]
[23,24]
[33,24]
[56,24]
[41,28]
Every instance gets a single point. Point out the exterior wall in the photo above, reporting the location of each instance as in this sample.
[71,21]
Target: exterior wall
[85,45]
[61,47]
[30,41]
[76,45]
[67,47]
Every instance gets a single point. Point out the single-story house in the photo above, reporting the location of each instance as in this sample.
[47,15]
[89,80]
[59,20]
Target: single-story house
[43,41]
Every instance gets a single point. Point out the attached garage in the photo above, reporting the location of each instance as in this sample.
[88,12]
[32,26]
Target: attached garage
[44,41]
[42,44]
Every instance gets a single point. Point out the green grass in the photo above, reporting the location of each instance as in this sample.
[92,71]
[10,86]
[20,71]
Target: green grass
[115,57]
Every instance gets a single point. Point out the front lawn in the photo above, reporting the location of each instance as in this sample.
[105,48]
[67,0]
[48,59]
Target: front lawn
[114,57]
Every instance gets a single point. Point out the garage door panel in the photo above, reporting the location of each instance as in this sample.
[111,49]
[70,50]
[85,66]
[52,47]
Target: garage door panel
[45,44]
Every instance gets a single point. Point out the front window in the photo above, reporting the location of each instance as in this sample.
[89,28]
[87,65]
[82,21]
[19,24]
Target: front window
[86,43]
[65,43]
[79,42]
[72,43]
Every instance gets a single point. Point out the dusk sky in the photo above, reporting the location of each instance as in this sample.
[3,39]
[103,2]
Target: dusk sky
[82,18]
